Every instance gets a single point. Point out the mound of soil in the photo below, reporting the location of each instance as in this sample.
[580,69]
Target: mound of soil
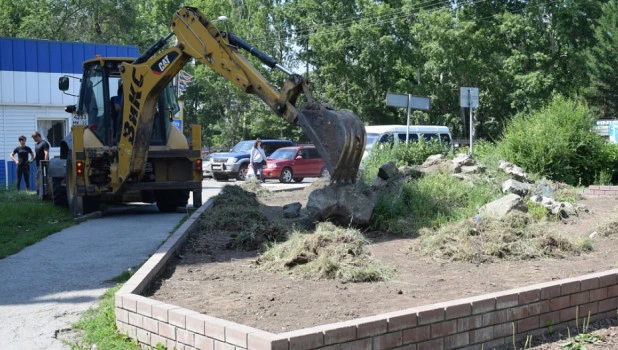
[208,278]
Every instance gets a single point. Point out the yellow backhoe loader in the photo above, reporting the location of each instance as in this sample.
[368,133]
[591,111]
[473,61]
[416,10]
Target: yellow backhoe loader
[124,147]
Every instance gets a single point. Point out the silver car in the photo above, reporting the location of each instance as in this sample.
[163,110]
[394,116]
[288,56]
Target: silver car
[206,167]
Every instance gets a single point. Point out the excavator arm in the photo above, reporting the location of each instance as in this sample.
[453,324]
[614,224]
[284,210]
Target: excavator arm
[339,136]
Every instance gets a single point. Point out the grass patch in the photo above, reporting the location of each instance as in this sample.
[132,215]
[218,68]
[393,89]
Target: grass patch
[26,220]
[516,237]
[98,326]
[236,209]
[330,252]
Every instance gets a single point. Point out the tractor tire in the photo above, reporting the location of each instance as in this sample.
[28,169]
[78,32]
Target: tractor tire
[59,192]
[169,200]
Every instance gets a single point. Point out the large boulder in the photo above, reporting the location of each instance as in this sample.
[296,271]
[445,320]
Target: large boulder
[499,208]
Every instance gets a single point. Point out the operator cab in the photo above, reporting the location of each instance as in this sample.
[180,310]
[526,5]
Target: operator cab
[101,102]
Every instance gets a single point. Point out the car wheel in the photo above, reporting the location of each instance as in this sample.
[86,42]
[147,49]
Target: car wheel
[299,179]
[286,175]
[324,172]
[242,173]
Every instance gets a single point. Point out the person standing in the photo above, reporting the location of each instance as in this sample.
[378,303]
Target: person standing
[41,152]
[23,165]
[257,158]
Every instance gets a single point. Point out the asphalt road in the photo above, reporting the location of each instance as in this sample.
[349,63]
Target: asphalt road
[48,286]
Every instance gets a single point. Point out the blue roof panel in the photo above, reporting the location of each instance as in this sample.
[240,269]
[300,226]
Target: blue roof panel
[49,56]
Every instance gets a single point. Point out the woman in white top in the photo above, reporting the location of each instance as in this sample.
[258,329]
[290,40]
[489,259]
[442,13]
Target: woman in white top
[257,158]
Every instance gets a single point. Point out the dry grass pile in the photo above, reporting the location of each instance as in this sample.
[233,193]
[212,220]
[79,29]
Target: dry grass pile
[236,212]
[330,252]
[516,237]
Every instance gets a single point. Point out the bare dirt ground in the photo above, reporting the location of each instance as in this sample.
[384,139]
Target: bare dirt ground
[208,278]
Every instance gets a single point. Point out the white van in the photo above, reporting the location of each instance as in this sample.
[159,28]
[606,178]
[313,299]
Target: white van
[395,134]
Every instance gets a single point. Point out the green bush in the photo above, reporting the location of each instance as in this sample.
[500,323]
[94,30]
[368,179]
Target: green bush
[557,142]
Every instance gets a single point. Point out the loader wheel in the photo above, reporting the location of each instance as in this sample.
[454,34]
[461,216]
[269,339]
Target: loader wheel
[197,198]
[169,200]
[76,203]
[59,192]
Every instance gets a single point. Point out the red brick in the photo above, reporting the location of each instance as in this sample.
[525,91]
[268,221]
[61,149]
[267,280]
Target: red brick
[530,296]
[591,308]
[458,311]
[430,316]
[612,291]
[608,280]
[363,344]
[538,308]
[371,328]
[517,313]
[567,314]
[481,335]
[401,320]
[527,324]
[483,305]
[436,344]
[559,303]
[416,335]
[387,341]
[507,301]
[549,319]
[405,347]
[471,322]
[308,338]
[339,335]
[590,283]
[204,343]
[495,317]
[503,330]
[570,287]
[608,305]
[580,298]
[598,294]
[443,328]
[550,292]
[456,341]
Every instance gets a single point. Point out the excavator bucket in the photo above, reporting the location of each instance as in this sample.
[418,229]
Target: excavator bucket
[339,137]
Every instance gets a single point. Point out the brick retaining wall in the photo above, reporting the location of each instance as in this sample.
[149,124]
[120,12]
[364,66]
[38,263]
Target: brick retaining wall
[481,322]
[602,191]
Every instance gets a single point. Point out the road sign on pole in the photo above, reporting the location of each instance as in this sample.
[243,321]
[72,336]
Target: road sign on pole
[469,98]
[407,101]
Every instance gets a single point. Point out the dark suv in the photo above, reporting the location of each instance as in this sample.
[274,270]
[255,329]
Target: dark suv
[234,164]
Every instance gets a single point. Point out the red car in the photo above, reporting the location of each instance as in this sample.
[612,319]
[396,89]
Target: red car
[295,163]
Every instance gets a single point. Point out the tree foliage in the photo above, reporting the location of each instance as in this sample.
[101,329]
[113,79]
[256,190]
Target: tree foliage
[517,52]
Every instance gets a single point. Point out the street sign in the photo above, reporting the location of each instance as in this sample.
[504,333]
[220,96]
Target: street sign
[407,101]
[469,97]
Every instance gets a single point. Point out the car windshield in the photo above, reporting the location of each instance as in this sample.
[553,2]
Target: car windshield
[243,146]
[283,154]
[371,139]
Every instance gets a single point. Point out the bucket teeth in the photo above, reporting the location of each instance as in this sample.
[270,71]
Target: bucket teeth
[339,137]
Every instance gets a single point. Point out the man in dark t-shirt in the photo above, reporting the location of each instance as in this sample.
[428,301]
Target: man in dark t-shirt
[23,165]
[41,151]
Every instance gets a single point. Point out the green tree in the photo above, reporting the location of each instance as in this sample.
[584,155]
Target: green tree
[603,63]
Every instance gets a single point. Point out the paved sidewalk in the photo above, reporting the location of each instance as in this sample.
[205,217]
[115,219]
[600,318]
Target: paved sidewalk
[47,286]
